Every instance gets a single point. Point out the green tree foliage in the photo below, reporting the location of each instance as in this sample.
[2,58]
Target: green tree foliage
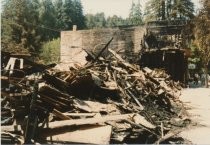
[100,20]
[67,15]
[115,21]
[95,21]
[153,10]
[28,23]
[6,29]
[50,51]
[90,21]
[58,5]
[182,9]
[47,18]
[78,17]
[169,9]
[135,16]
[18,31]
[202,34]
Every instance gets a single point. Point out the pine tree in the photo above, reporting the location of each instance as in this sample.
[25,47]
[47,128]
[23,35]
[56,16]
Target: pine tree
[32,30]
[152,10]
[19,19]
[68,14]
[115,21]
[6,29]
[169,9]
[131,14]
[100,20]
[78,17]
[89,20]
[47,19]
[95,21]
[182,9]
[202,35]
[135,15]
[58,5]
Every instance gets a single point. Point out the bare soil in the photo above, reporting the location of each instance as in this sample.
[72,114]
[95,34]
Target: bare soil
[197,101]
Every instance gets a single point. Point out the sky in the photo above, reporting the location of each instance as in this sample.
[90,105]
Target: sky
[114,7]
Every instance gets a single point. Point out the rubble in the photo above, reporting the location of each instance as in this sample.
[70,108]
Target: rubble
[108,100]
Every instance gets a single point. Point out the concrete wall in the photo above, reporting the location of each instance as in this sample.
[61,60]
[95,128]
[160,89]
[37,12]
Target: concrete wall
[127,39]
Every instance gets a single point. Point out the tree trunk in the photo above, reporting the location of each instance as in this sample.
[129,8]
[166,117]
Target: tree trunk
[206,76]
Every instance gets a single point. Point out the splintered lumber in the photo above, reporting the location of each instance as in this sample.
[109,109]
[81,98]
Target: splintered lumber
[80,114]
[4,78]
[66,123]
[56,82]
[11,128]
[138,119]
[13,94]
[137,101]
[109,90]
[56,95]
[162,84]
[60,115]
[19,55]
[100,107]
[87,135]
[36,67]
[13,137]
[169,135]
[116,55]
[82,105]
[54,92]
[122,61]
[53,101]
[102,50]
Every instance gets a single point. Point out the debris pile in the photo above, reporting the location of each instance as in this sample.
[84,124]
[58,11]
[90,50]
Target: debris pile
[106,101]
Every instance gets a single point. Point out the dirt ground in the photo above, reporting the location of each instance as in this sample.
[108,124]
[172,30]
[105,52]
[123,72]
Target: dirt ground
[197,101]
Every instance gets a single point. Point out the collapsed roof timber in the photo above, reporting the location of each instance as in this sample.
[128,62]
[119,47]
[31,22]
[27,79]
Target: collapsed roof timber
[108,100]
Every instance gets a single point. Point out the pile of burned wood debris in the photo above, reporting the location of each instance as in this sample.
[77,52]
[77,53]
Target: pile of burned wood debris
[106,101]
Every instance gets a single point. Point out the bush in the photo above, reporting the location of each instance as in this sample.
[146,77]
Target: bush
[50,51]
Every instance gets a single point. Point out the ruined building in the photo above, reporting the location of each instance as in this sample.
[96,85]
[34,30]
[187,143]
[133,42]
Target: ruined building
[158,45]
[127,40]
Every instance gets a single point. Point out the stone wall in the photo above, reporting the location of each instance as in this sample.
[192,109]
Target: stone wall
[127,40]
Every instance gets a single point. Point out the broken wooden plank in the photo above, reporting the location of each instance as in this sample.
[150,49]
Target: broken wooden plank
[80,114]
[169,135]
[11,128]
[136,100]
[53,101]
[56,82]
[138,119]
[122,61]
[36,67]
[16,138]
[66,123]
[15,54]
[14,94]
[79,104]
[86,134]
[103,49]
[97,107]
[116,55]
[56,95]
[46,89]
[60,115]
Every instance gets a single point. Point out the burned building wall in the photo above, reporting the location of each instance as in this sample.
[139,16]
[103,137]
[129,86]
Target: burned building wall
[127,40]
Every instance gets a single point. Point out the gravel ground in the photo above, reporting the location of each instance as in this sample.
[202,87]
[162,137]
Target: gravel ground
[198,100]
